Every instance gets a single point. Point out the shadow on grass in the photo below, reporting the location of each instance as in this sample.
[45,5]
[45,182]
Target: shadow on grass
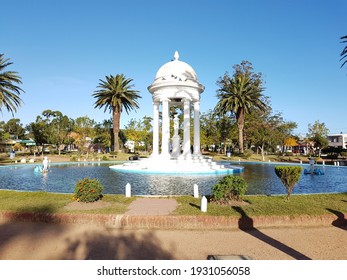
[246,224]
[340,222]
[194,205]
[28,235]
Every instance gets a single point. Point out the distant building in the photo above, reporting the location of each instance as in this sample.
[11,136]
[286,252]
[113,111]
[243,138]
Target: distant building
[338,140]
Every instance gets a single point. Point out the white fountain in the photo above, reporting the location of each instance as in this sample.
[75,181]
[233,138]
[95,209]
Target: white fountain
[176,83]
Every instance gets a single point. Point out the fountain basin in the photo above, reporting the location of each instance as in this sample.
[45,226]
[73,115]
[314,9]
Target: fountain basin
[179,166]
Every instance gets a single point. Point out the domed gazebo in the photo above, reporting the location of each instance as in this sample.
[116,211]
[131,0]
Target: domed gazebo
[176,83]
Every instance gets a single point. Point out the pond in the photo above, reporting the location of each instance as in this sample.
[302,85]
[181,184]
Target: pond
[260,177]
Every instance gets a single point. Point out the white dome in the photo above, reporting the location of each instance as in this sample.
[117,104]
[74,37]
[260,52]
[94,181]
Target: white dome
[176,76]
[176,70]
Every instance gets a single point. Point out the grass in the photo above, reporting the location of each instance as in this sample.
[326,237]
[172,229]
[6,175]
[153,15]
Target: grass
[43,202]
[313,205]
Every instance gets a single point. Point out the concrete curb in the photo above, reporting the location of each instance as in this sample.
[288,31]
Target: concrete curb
[177,222]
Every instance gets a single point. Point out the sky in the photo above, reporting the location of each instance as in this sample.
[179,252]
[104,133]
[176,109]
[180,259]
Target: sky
[61,49]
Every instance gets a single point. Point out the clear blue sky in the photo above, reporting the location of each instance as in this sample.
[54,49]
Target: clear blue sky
[62,48]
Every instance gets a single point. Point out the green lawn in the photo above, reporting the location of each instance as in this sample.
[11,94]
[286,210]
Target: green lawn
[315,204]
[42,202]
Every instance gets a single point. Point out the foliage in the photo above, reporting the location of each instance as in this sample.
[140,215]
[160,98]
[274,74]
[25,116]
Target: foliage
[247,154]
[266,130]
[229,188]
[139,132]
[344,51]
[290,142]
[51,128]
[317,128]
[240,94]
[84,128]
[9,91]
[14,128]
[115,94]
[289,176]
[318,133]
[88,190]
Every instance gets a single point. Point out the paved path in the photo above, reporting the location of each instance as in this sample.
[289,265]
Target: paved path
[38,241]
[151,206]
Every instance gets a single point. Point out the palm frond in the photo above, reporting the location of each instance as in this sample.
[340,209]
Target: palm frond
[9,91]
[344,51]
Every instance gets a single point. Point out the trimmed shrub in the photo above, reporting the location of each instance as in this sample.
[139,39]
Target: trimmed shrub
[289,176]
[230,187]
[88,190]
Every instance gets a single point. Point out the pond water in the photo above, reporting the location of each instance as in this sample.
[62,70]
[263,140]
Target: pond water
[261,179]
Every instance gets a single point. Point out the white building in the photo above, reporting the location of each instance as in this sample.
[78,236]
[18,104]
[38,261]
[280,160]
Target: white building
[338,140]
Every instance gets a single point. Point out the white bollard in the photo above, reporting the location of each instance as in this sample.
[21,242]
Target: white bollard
[323,162]
[300,161]
[203,207]
[128,190]
[338,163]
[196,191]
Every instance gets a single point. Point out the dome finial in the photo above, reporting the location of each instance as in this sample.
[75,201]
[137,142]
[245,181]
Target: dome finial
[176,55]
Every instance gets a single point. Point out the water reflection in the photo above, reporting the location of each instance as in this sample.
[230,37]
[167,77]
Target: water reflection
[261,179]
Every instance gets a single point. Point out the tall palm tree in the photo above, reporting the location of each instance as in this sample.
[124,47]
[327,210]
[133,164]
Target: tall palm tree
[240,94]
[115,94]
[9,91]
[344,51]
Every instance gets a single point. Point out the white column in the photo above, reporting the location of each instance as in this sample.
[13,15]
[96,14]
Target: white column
[155,151]
[197,128]
[186,129]
[165,129]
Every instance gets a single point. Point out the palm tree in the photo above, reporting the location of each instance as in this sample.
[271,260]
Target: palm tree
[115,94]
[9,91]
[344,51]
[240,94]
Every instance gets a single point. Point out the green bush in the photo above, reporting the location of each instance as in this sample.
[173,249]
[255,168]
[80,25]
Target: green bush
[247,154]
[230,187]
[289,176]
[88,190]
[104,158]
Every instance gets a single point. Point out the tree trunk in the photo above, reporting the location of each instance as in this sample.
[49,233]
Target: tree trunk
[116,124]
[240,125]
[262,152]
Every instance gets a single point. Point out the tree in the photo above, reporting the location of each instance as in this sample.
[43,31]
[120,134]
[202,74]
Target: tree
[289,176]
[40,130]
[344,51]
[103,133]
[14,128]
[266,130]
[217,130]
[60,126]
[139,131]
[115,94]
[9,90]
[84,127]
[318,133]
[240,94]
